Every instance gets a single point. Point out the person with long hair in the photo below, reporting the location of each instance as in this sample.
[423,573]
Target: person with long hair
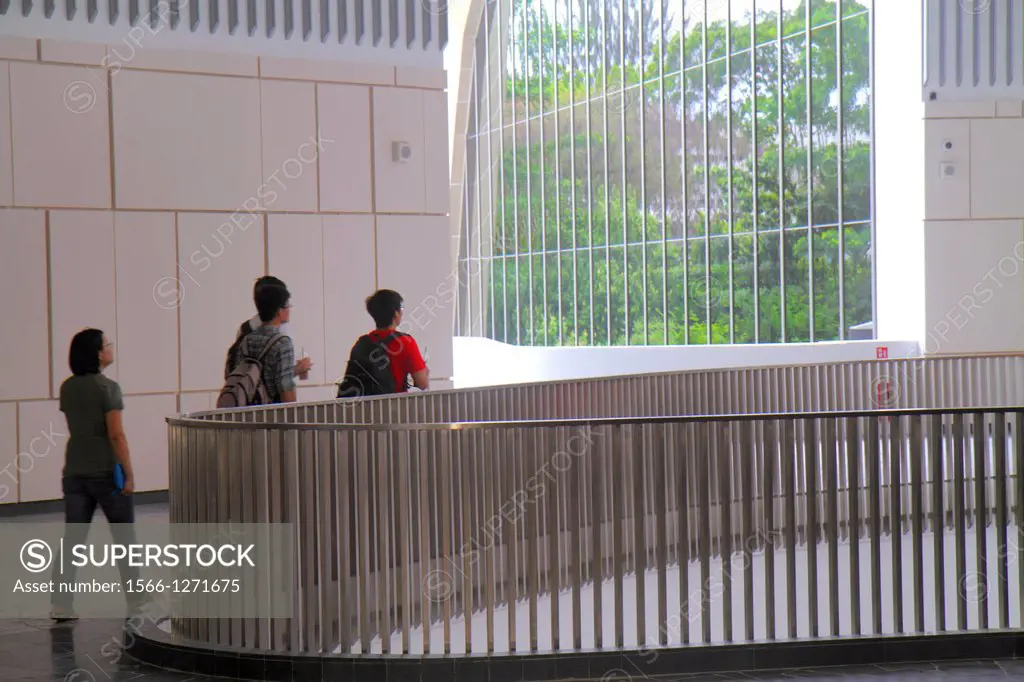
[93,404]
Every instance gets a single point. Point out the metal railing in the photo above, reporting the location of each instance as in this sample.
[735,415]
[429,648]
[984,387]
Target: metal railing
[617,532]
[934,382]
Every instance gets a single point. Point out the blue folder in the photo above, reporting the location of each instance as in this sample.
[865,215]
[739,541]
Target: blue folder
[118,479]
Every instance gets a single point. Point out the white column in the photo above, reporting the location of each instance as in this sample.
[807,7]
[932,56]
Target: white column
[974,227]
[899,184]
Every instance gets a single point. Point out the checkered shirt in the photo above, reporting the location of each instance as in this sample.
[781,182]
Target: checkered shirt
[279,364]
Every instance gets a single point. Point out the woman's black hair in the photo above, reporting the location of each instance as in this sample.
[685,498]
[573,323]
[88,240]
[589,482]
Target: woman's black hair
[84,356]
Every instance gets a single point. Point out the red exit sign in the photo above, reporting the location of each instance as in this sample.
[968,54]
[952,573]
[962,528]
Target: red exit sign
[881,352]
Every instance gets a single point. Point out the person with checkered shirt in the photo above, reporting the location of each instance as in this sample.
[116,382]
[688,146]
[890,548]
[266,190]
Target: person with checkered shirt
[280,371]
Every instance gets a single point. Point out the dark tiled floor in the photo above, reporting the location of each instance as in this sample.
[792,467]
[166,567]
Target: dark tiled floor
[87,651]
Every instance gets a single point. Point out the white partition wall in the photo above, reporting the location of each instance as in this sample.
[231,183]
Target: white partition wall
[950,210]
[146,199]
[973,163]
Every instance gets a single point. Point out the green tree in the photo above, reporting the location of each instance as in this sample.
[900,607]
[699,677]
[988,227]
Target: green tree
[589,219]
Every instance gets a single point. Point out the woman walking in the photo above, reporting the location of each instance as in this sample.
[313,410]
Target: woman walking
[92,403]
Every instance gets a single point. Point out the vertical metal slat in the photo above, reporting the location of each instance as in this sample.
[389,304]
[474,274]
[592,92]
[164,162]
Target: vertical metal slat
[747,473]
[853,522]
[639,455]
[874,453]
[705,527]
[768,504]
[999,454]
[896,519]
[725,456]
[789,473]
[979,425]
[811,454]
[959,511]
[938,520]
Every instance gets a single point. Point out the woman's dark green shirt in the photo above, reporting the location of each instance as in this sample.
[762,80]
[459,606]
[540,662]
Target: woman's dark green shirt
[85,401]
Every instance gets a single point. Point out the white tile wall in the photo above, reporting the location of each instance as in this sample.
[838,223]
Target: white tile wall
[184,141]
[26,333]
[325,71]
[86,54]
[14,47]
[43,433]
[343,117]
[8,453]
[146,430]
[1013,108]
[191,61]
[196,402]
[974,294]
[217,275]
[312,394]
[166,266]
[147,297]
[293,242]
[997,166]
[399,117]
[290,147]
[416,77]
[61,129]
[435,117]
[973,257]
[947,197]
[417,264]
[349,277]
[82,276]
[6,158]
[954,109]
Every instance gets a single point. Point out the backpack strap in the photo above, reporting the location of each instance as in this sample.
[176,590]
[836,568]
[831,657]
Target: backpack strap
[273,341]
[383,343]
[263,353]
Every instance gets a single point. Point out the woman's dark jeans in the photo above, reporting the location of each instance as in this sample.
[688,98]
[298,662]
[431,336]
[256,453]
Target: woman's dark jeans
[82,494]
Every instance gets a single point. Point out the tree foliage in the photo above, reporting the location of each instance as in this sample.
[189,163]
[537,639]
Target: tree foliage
[627,147]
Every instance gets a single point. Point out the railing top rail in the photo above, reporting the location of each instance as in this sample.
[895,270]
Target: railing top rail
[592,381]
[586,422]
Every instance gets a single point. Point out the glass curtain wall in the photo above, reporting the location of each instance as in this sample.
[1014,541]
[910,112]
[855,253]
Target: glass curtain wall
[644,172]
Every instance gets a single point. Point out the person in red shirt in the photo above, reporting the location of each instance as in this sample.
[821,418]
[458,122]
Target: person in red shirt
[384,348]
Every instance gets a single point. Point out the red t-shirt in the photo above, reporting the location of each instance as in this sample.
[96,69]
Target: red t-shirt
[404,353]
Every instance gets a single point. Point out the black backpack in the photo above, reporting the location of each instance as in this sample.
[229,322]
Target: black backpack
[369,368]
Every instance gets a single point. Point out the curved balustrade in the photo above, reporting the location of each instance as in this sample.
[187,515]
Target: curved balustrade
[624,530]
[945,382]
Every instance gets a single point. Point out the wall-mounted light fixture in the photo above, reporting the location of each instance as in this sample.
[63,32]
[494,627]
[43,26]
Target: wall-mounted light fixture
[401,152]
